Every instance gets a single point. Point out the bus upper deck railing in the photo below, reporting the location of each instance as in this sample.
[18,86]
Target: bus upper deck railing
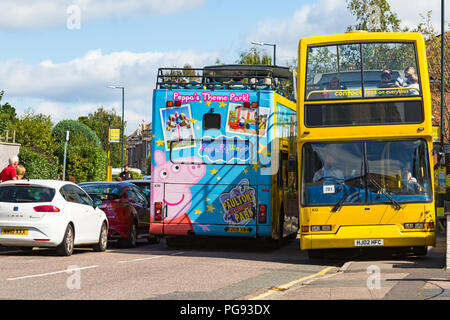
[236,77]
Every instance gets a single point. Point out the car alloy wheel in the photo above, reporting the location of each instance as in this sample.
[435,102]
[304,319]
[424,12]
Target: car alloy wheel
[102,239]
[66,246]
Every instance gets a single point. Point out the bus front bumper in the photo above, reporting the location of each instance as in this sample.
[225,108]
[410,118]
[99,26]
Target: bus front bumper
[357,236]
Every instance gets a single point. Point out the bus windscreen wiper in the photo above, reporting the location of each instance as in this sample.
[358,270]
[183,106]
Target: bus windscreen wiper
[397,206]
[339,204]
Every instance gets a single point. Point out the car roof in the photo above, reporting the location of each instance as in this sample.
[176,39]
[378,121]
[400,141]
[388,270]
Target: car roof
[41,182]
[139,181]
[119,183]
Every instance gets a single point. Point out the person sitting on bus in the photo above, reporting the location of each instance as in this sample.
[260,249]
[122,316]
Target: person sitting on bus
[412,81]
[329,173]
[409,181]
[334,84]
[387,81]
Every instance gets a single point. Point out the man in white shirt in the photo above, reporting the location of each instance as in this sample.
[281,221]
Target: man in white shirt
[328,172]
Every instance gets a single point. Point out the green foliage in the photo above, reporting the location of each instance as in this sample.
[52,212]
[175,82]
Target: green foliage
[34,131]
[100,121]
[38,165]
[86,162]
[373,16]
[136,175]
[79,133]
[7,115]
[253,56]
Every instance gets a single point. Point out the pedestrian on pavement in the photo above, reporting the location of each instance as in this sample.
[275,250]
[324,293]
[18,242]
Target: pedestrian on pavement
[20,171]
[9,173]
[126,174]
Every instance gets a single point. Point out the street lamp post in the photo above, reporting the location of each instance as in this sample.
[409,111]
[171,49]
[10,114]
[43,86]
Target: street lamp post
[268,44]
[121,134]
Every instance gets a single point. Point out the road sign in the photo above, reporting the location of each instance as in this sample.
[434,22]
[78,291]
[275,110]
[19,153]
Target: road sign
[114,135]
[436,134]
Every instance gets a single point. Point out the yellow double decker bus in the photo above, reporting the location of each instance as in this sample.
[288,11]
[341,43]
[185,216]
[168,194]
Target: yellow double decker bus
[365,142]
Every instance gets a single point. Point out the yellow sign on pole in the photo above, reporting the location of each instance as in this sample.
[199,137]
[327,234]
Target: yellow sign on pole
[436,133]
[114,135]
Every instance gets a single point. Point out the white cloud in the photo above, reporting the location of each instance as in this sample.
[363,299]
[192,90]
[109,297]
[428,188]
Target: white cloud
[331,17]
[35,14]
[318,18]
[70,89]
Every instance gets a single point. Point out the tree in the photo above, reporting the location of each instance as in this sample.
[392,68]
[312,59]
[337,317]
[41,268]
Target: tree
[373,16]
[85,159]
[253,56]
[7,115]
[79,133]
[100,121]
[34,131]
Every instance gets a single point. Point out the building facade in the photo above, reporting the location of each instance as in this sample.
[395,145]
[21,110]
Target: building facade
[138,147]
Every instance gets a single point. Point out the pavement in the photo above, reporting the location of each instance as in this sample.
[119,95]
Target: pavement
[372,277]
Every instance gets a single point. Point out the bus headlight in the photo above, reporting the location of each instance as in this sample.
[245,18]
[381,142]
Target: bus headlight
[414,225]
[321,228]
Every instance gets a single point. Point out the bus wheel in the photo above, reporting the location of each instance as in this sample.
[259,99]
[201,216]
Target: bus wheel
[420,251]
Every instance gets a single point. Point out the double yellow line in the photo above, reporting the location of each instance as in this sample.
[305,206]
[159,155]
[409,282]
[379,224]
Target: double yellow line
[290,284]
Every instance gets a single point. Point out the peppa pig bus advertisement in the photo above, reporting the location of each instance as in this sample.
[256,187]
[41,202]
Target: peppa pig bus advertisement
[222,138]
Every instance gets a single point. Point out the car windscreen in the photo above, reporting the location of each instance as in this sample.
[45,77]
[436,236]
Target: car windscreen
[21,194]
[103,191]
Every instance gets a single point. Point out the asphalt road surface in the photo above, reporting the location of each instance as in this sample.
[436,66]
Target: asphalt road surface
[219,269]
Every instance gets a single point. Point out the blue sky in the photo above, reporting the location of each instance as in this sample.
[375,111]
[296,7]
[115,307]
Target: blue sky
[64,72]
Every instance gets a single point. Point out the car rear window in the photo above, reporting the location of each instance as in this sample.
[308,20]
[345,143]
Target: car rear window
[103,191]
[26,194]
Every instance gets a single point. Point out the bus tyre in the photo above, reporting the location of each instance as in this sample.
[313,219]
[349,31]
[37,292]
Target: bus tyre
[420,251]
[153,239]
[316,254]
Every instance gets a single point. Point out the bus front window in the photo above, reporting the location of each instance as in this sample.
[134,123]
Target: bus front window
[332,172]
[369,172]
[400,169]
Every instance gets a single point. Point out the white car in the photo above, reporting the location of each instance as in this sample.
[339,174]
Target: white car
[50,213]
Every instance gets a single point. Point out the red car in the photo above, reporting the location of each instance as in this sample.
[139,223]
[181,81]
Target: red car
[126,207]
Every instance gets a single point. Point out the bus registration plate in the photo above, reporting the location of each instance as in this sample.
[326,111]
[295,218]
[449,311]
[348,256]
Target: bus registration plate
[368,242]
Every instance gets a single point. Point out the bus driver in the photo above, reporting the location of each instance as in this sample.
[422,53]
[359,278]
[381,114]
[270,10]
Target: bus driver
[329,173]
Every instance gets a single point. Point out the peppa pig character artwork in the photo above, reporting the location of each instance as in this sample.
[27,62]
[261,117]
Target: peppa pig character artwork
[171,193]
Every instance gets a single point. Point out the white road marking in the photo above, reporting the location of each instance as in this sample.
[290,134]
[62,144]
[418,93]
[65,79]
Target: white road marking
[50,273]
[149,258]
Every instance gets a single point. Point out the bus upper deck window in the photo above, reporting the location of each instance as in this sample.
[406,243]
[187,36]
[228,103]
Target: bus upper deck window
[211,121]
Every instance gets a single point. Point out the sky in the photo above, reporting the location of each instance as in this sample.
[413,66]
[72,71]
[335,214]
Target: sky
[58,57]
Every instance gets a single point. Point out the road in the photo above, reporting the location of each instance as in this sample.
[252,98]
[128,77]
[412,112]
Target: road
[218,270]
